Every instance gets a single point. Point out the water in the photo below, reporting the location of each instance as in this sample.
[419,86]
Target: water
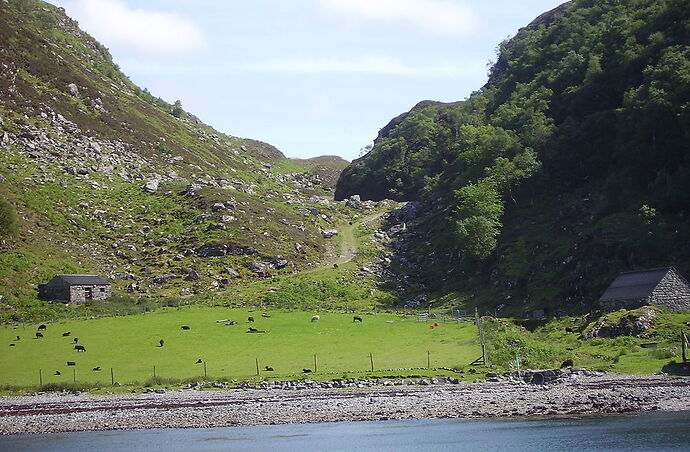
[656,431]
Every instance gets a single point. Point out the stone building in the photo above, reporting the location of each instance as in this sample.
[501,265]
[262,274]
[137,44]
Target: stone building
[663,287]
[74,288]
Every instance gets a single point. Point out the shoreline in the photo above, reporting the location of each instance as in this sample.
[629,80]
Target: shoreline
[609,394]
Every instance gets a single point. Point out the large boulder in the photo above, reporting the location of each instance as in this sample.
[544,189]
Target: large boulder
[151,186]
[632,324]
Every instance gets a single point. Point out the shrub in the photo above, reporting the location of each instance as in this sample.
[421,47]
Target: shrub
[9,221]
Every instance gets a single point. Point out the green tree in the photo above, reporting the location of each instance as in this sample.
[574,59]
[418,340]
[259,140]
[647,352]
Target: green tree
[475,218]
[177,109]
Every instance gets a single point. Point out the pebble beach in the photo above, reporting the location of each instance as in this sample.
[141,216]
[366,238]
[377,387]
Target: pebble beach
[577,395]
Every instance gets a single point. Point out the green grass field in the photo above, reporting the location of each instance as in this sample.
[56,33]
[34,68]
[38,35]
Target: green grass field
[130,345]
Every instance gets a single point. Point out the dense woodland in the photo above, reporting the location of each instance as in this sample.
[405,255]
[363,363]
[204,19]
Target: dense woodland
[570,165]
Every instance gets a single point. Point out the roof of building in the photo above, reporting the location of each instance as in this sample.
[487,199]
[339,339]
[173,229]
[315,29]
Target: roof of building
[637,284]
[80,280]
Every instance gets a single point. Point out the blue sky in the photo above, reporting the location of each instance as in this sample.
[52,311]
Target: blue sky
[311,77]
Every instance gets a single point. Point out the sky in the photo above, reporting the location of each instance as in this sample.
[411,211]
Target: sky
[311,77]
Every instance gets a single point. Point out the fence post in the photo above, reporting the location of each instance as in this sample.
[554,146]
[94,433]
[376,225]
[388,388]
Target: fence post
[316,366]
[205,374]
[40,376]
[112,377]
[371,359]
[257,366]
[74,375]
[154,371]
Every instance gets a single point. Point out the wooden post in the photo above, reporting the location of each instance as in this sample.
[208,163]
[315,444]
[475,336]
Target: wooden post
[112,377]
[257,365]
[154,371]
[371,359]
[40,377]
[480,331]
[316,365]
[205,373]
[74,375]
[684,346]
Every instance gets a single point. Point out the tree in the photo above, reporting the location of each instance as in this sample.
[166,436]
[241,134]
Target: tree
[177,109]
[475,218]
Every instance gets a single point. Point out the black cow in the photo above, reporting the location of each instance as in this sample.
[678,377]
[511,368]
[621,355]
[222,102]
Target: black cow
[198,361]
[96,369]
[186,327]
[12,345]
[231,323]
[254,330]
[18,337]
[66,334]
[250,319]
[306,371]
[39,335]
[76,339]
[268,368]
[71,363]
[567,363]
[161,342]
[42,327]
[356,319]
[80,348]
[57,372]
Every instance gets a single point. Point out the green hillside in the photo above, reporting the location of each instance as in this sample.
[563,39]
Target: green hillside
[100,176]
[570,165]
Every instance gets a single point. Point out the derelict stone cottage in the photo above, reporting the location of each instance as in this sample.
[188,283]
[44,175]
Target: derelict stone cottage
[663,287]
[74,288]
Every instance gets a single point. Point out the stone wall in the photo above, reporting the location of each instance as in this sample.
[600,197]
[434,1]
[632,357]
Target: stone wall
[672,293]
[629,303]
[78,294]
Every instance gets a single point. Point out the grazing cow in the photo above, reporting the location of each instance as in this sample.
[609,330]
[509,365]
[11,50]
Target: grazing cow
[185,327]
[161,342]
[71,363]
[567,363]
[231,323]
[222,321]
[198,361]
[268,368]
[18,337]
[335,265]
[315,318]
[80,348]
[266,316]
[306,371]
[42,327]
[66,334]
[12,345]
[250,319]
[254,330]
[57,372]
[96,369]
[356,319]
[39,335]
[76,339]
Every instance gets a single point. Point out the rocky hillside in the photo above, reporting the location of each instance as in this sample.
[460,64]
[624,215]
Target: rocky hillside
[102,177]
[569,166]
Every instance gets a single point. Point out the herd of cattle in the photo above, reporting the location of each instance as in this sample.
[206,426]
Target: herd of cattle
[75,340]
[161,342]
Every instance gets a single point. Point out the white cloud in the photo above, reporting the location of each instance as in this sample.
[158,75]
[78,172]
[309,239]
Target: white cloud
[148,32]
[368,65]
[439,17]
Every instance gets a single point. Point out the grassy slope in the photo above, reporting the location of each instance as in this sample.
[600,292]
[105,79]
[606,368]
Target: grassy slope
[550,344]
[130,345]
